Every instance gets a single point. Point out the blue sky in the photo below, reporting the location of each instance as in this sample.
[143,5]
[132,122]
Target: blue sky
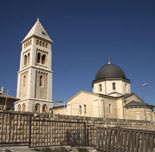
[85,33]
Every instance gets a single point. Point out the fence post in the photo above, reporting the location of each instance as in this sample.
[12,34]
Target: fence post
[30,127]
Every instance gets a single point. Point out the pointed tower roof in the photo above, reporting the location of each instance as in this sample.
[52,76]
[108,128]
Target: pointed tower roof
[39,31]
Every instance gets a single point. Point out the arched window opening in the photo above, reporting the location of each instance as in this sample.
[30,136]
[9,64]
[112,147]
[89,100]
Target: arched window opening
[43,58]
[46,45]
[28,57]
[43,44]
[114,86]
[37,42]
[44,109]
[100,87]
[23,107]
[38,58]
[37,108]
[24,81]
[80,109]
[126,88]
[40,43]
[19,107]
[85,109]
[110,109]
[41,81]
[25,59]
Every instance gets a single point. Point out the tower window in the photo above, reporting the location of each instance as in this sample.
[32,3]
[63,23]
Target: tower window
[38,58]
[43,44]
[25,59]
[41,81]
[40,43]
[37,42]
[43,58]
[24,81]
[46,45]
[28,57]
[114,86]
[100,87]
[80,109]
[85,109]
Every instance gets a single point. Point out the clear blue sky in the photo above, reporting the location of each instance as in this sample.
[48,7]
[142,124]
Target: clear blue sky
[85,33]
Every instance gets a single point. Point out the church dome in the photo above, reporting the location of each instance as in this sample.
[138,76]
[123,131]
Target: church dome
[110,71]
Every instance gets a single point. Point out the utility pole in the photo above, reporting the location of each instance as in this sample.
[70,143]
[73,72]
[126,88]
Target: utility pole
[142,86]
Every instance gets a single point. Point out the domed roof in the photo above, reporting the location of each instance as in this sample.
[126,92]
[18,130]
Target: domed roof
[110,71]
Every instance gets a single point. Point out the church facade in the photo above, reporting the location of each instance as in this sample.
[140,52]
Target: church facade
[34,84]
[111,98]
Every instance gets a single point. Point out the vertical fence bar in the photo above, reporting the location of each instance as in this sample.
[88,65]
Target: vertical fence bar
[30,127]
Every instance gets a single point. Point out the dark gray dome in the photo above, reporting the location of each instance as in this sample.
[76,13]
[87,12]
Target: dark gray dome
[110,71]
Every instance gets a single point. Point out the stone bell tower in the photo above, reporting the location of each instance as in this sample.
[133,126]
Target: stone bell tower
[34,87]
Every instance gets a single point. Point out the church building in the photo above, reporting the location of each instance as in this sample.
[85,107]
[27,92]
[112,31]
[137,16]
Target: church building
[111,98]
[34,86]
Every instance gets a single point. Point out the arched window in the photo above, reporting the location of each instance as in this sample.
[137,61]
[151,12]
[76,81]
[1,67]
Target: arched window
[19,107]
[37,108]
[80,109]
[40,43]
[24,81]
[126,88]
[46,45]
[28,57]
[23,107]
[114,86]
[43,44]
[85,109]
[37,42]
[25,59]
[100,87]
[38,57]
[44,109]
[110,109]
[43,58]
[41,80]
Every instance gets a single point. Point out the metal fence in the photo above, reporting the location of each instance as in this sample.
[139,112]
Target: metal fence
[25,129]
[125,140]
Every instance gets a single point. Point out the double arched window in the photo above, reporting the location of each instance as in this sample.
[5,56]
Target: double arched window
[41,58]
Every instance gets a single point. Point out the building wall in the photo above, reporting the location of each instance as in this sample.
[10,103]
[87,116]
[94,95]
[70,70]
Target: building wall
[122,87]
[139,114]
[61,111]
[84,99]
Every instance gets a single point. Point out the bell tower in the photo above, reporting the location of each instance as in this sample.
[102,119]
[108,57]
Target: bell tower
[34,86]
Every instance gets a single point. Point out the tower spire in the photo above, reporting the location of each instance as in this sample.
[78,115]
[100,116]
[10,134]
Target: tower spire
[109,60]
